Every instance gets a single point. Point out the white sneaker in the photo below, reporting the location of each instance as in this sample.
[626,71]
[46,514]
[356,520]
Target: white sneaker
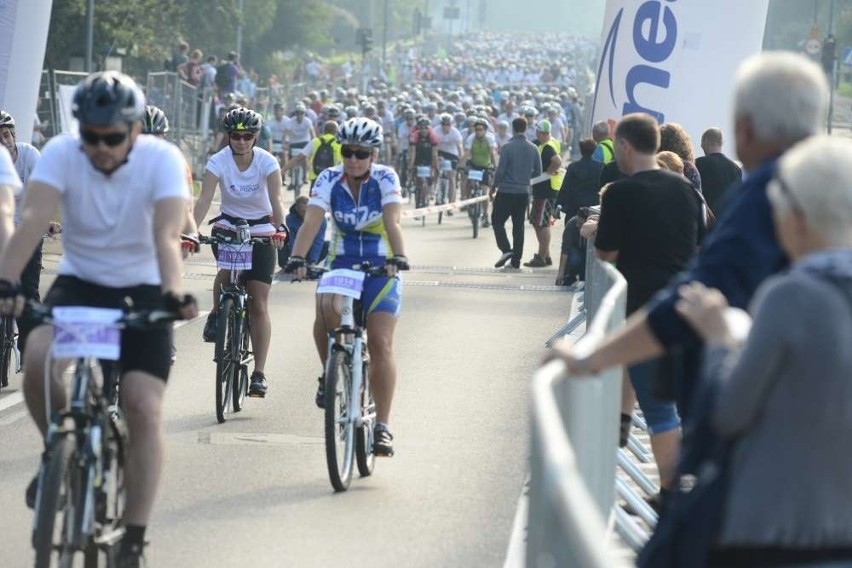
[504,258]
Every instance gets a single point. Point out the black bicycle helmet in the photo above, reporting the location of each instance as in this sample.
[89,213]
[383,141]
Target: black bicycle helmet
[154,121]
[6,120]
[423,122]
[107,98]
[242,119]
[360,131]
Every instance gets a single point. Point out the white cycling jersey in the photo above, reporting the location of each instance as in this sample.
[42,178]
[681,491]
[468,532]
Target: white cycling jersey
[108,221]
[449,141]
[299,131]
[244,194]
[277,129]
[28,157]
[402,135]
[8,175]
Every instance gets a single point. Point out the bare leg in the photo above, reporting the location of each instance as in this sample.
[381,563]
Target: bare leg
[380,329]
[142,400]
[38,344]
[261,327]
[543,235]
[666,447]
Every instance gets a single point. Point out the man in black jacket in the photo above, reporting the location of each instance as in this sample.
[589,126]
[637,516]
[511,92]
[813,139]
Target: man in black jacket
[718,172]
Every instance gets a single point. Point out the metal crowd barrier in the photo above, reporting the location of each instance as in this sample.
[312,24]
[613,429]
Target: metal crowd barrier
[574,436]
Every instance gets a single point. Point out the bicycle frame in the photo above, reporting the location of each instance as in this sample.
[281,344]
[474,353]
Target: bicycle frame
[350,337]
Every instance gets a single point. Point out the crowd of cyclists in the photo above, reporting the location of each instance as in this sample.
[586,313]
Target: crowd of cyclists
[362,156]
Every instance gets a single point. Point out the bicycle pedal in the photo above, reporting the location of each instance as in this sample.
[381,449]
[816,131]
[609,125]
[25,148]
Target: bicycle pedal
[256,395]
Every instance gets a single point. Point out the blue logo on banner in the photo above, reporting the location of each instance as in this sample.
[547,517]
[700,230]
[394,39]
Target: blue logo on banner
[651,49]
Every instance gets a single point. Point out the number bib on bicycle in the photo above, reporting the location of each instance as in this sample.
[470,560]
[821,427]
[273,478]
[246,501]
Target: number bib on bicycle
[234,257]
[343,282]
[81,331]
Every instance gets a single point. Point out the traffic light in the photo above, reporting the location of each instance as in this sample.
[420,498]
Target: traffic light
[829,54]
[365,39]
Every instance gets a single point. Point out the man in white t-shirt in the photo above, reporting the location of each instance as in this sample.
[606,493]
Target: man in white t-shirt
[277,129]
[298,132]
[450,147]
[25,156]
[123,199]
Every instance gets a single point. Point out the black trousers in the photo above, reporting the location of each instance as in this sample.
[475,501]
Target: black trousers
[512,205]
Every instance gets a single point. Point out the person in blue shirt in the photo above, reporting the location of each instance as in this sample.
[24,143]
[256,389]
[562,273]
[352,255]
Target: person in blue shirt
[294,221]
[365,203]
[780,99]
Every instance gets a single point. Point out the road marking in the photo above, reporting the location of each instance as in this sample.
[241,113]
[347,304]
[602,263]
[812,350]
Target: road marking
[256,439]
[11,400]
[473,286]
[201,314]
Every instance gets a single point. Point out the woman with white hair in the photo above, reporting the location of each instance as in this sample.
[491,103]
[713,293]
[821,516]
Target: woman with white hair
[784,395]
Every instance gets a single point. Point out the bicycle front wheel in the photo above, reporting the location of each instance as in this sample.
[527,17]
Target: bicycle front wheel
[48,534]
[339,430]
[227,363]
[241,378]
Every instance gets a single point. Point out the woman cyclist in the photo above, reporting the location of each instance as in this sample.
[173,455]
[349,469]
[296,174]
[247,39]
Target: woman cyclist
[365,202]
[249,181]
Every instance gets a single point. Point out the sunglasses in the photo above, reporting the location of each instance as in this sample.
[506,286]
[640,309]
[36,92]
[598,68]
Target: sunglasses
[111,139]
[359,154]
[244,136]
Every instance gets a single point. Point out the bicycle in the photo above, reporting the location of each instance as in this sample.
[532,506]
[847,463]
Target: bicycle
[8,347]
[423,188]
[350,411]
[297,174]
[446,167]
[475,181]
[232,352]
[82,471]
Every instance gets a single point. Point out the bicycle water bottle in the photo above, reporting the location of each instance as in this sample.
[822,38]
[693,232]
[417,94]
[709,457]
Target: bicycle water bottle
[243,231]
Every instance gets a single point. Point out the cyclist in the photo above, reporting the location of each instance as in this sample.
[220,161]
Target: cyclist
[249,181]
[425,154]
[365,204]
[25,157]
[323,152]
[298,132]
[480,154]
[122,220]
[10,188]
[403,134]
[450,147]
[277,127]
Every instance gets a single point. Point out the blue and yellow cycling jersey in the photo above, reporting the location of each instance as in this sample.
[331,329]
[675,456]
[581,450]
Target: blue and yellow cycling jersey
[358,228]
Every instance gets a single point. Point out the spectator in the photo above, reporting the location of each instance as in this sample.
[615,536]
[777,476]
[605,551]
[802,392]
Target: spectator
[227,73]
[783,398]
[718,172]
[673,138]
[605,152]
[191,71]
[179,57]
[780,99]
[294,220]
[572,260]
[582,181]
[649,227]
[519,162]
[208,77]
[668,160]
[544,194]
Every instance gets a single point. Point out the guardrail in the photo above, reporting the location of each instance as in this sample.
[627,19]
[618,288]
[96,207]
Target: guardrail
[574,436]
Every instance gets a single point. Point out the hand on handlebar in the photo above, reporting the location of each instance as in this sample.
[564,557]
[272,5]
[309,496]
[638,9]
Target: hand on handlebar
[281,236]
[298,266]
[186,306]
[395,264]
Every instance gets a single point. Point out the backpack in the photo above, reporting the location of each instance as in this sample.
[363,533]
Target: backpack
[222,76]
[324,156]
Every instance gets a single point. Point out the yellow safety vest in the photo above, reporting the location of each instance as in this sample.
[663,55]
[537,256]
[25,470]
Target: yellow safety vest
[555,179]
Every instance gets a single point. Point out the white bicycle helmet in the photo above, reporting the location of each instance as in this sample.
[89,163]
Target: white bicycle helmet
[360,131]
[6,120]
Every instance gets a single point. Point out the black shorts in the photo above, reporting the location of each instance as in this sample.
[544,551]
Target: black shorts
[262,258]
[150,350]
[451,157]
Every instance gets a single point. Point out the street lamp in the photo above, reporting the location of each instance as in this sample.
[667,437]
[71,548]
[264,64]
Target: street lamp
[90,32]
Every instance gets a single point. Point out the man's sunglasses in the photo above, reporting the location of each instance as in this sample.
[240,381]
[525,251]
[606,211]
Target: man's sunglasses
[111,139]
[244,136]
[360,154]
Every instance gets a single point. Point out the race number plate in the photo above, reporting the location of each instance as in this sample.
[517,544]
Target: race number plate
[342,281]
[475,175]
[81,331]
[277,147]
[424,171]
[446,166]
[234,257]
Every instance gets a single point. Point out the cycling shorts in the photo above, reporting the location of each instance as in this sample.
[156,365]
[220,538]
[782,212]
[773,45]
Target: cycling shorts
[262,258]
[148,351]
[382,294]
[447,156]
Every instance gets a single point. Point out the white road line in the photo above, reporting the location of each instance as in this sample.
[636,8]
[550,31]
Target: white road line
[11,400]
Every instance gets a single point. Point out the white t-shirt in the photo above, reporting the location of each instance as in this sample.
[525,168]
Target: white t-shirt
[28,157]
[8,175]
[108,221]
[244,194]
[298,132]
[277,128]
[450,141]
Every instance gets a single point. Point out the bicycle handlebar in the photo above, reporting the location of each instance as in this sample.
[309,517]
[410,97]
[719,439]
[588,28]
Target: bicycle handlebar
[221,240]
[132,319]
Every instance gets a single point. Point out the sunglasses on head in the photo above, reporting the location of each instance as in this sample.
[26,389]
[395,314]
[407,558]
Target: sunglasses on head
[244,136]
[110,138]
[358,153]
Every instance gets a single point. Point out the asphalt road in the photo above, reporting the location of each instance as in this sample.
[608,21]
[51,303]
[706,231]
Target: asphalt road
[254,491]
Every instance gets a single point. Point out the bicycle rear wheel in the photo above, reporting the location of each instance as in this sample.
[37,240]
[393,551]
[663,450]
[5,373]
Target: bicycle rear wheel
[364,456]
[475,214]
[7,337]
[339,431]
[225,356]
[48,534]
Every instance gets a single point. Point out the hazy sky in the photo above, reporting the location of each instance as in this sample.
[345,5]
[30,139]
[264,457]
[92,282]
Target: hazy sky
[581,17]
